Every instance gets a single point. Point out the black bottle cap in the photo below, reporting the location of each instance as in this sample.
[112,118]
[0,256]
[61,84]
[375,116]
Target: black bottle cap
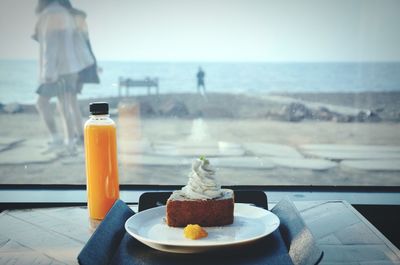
[98,108]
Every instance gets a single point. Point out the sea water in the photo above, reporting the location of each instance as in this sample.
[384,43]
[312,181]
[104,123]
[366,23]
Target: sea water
[19,79]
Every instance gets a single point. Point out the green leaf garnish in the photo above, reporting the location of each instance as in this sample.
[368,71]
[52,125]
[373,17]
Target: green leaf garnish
[204,159]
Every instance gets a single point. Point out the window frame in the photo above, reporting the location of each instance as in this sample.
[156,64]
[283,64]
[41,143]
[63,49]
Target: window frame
[23,196]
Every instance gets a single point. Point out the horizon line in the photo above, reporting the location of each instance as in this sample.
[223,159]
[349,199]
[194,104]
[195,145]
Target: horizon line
[221,61]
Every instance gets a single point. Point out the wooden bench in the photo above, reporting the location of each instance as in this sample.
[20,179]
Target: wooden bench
[128,83]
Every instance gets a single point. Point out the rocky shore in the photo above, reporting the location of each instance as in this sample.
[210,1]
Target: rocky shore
[335,107]
[385,105]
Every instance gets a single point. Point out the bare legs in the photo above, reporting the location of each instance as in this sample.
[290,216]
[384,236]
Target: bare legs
[70,116]
[204,90]
[66,116]
[76,114]
[198,88]
[44,108]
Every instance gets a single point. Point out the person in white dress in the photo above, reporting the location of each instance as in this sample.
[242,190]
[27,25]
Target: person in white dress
[63,54]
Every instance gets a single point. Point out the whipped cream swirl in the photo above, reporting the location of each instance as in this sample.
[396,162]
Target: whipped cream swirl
[202,184]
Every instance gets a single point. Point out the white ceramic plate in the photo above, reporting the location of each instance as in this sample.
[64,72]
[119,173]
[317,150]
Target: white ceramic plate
[250,223]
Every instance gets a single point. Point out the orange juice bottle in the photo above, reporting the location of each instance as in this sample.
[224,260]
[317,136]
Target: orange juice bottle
[101,161]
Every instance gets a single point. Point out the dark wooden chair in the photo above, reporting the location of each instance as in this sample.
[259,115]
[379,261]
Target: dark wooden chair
[153,199]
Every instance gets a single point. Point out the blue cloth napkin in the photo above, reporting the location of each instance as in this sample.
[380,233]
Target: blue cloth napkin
[106,240]
[110,244]
[299,240]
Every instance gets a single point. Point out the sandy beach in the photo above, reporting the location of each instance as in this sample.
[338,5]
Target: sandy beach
[171,128]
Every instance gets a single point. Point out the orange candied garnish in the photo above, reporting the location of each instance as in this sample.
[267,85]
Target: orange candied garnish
[194,232]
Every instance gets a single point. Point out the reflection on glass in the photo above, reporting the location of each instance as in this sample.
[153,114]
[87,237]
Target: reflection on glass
[272,93]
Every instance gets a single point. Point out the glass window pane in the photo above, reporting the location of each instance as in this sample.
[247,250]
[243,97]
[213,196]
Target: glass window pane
[272,92]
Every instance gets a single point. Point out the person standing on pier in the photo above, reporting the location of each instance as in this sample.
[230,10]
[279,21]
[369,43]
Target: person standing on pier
[200,80]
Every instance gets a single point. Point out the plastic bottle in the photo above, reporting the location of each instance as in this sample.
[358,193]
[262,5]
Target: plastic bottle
[101,162]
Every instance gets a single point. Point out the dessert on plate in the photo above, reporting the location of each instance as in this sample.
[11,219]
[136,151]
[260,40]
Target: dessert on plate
[201,201]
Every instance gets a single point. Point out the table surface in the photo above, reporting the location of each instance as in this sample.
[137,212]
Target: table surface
[56,235]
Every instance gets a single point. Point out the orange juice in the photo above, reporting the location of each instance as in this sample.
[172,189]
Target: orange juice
[101,162]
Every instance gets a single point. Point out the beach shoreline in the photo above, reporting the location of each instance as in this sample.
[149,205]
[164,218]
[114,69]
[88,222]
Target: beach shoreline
[340,107]
[164,124]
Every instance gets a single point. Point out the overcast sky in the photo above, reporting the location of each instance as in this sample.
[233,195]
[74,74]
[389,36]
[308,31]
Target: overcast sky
[222,30]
